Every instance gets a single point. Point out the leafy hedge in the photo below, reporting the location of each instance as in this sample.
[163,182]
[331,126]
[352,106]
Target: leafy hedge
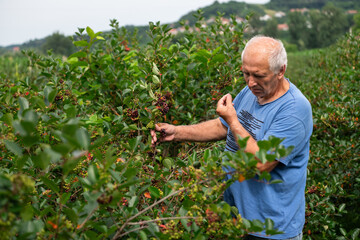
[75,155]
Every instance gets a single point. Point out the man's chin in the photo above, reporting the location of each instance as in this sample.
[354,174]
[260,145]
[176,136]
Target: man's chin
[257,93]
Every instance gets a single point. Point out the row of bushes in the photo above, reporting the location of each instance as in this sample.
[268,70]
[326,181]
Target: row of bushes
[76,160]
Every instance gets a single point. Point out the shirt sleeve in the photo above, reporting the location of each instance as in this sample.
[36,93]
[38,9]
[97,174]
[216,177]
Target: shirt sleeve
[292,130]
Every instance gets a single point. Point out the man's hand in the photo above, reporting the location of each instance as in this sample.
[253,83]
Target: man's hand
[167,133]
[225,109]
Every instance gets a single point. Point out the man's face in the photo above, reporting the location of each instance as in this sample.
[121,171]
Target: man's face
[262,82]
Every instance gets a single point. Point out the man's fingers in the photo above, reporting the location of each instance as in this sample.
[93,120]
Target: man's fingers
[158,127]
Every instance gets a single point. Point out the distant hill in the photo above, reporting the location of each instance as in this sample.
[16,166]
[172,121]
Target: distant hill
[317,4]
[240,9]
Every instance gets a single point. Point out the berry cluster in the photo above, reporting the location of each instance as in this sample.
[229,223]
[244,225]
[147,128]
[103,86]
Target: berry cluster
[162,133]
[163,102]
[63,95]
[133,114]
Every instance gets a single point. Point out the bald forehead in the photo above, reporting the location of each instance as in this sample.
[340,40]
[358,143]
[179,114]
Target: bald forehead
[261,45]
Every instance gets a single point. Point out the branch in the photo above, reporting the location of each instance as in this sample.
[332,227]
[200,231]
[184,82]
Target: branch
[161,219]
[144,210]
[87,218]
[133,230]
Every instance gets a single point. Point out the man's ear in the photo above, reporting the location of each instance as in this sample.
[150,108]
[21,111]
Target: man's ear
[282,71]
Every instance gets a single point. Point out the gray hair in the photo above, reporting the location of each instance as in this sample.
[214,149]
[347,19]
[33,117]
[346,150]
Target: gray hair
[275,49]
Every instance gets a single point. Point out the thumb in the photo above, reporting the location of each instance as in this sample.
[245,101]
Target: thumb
[228,98]
[158,126]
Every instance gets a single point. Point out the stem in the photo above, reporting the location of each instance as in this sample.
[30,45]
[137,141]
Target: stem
[144,210]
[87,218]
[161,219]
[133,230]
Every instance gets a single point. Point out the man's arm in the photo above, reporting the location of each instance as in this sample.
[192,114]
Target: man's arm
[212,130]
[226,110]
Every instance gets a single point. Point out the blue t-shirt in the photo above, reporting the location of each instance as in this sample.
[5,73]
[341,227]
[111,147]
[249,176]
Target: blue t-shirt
[287,117]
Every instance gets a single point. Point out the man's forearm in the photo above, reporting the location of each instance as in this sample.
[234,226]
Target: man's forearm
[211,130]
[237,129]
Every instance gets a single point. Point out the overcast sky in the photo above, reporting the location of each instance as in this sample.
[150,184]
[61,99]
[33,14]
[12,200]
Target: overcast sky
[24,20]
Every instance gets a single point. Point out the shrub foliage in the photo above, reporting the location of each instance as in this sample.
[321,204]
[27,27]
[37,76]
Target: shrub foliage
[76,160]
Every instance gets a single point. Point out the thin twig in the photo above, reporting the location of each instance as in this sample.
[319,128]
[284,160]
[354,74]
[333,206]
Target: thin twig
[161,219]
[87,218]
[133,230]
[144,210]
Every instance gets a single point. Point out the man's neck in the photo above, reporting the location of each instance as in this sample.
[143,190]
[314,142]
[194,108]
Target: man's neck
[284,86]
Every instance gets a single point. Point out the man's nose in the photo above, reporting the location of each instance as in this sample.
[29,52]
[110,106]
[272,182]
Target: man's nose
[251,82]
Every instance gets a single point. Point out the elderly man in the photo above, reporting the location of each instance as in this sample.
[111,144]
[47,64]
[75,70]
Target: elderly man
[270,105]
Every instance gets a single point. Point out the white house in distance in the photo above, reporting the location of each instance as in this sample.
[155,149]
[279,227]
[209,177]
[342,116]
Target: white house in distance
[279,14]
[265,18]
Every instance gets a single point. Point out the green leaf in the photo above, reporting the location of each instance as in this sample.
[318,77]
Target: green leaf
[355,234]
[150,125]
[65,197]
[247,223]
[78,55]
[24,104]
[37,101]
[13,147]
[98,142]
[93,174]
[218,58]
[90,32]
[265,175]
[155,79]
[168,163]
[50,184]
[133,201]
[7,118]
[42,160]
[83,138]
[342,207]
[269,224]
[234,210]
[27,212]
[130,173]
[71,215]
[263,144]
[80,64]
[276,181]
[155,69]
[154,192]
[143,235]
[261,155]
[133,143]
[227,209]
[49,94]
[109,157]
[81,43]
[62,148]
[256,225]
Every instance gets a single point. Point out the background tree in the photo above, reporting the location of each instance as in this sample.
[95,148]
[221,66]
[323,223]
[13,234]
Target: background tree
[326,26]
[270,28]
[59,44]
[356,27]
[255,23]
[298,29]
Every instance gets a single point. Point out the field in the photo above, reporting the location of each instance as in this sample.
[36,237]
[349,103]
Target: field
[75,155]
